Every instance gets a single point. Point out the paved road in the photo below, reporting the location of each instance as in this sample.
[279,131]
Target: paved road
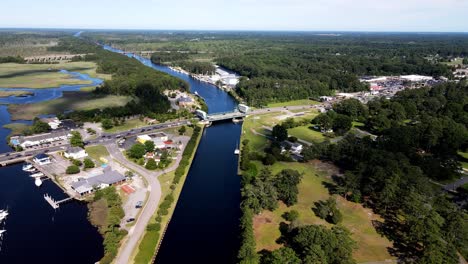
[154,188]
[452,187]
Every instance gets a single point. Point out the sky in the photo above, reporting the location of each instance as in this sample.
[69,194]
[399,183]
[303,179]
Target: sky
[298,15]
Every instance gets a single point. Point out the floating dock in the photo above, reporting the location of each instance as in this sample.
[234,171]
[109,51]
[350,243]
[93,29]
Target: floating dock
[56,204]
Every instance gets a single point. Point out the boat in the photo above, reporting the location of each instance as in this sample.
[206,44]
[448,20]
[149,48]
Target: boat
[37,175]
[28,167]
[3,214]
[237,151]
[38,182]
[1,232]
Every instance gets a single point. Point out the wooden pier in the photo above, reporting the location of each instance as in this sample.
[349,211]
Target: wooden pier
[56,204]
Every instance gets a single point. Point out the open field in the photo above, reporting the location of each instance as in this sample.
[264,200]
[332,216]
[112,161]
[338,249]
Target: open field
[455,62]
[69,101]
[97,152]
[306,133]
[13,75]
[129,124]
[17,128]
[98,213]
[293,103]
[14,93]
[371,245]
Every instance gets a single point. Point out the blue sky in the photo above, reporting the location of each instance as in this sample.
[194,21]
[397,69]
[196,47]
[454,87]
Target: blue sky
[326,15]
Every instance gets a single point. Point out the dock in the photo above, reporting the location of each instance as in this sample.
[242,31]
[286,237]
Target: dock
[56,204]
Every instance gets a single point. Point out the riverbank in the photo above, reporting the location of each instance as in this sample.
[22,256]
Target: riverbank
[172,184]
[15,93]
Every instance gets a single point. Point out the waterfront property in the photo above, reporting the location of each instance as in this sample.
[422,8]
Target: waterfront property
[36,140]
[89,185]
[75,153]
[53,122]
[42,159]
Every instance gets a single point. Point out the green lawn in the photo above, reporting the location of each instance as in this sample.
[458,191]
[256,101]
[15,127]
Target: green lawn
[358,124]
[457,61]
[293,103]
[307,134]
[464,162]
[97,152]
[129,124]
[13,75]
[371,245]
[69,101]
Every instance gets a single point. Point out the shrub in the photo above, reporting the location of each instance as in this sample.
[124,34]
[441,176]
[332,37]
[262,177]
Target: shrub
[73,169]
[88,163]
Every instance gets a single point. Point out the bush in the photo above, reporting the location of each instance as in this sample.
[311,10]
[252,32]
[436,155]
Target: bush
[291,215]
[269,159]
[73,169]
[88,163]
[77,162]
[151,164]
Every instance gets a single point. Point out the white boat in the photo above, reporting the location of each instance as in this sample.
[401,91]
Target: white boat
[3,214]
[38,182]
[1,232]
[37,175]
[237,151]
[28,167]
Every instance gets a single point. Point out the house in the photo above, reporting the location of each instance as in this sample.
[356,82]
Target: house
[42,159]
[108,178]
[53,122]
[186,101]
[75,153]
[293,147]
[35,140]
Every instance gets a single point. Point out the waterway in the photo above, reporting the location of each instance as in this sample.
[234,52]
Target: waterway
[35,232]
[204,227]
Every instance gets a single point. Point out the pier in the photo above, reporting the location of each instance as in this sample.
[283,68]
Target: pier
[56,204]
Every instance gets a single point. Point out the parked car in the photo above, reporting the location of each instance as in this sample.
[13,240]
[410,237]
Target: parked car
[139,204]
[130,220]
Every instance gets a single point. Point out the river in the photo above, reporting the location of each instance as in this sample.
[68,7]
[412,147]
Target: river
[205,224]
[35,232]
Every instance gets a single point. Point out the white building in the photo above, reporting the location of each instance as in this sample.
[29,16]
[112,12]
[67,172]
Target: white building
[75,153]
[41,159]
[416,78]
[243,108]
[35,140]
[53,122]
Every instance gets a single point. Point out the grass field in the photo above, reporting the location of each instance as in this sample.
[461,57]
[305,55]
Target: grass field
[371,245]
[129,124]
[151,239]
[293,103]
[98,213]
[97,152]
[69,101]
[14,75]
[17,128]
[457,61]
[14,93]
[306,133]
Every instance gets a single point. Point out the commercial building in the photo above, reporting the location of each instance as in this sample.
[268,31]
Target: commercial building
[108,178]
[75,153]
[36,140]
[42,159]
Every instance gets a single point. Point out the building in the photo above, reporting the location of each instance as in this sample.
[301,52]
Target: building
[36,140]
[53,122]
[293,147]
[108,178]
[416,78]
[42,159]
[143,138]
[158,139]
[201,114]
[186,101]
[326,98]
[75,153]
[243,108]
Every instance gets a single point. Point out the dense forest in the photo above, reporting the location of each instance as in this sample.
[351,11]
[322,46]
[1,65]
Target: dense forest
[129,77]
[419,133]
[283,66]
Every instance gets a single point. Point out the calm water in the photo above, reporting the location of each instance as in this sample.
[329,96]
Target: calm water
[204,227]
[35,232]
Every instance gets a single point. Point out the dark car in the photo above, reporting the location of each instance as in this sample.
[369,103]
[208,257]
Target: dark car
[130,220]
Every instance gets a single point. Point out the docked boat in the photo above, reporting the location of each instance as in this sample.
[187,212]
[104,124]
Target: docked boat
[28,167]
[37,175]
[237,151]
[38,182]
[3,214]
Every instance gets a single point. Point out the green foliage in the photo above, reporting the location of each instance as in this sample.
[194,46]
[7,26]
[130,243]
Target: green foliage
[282,255]
[113,234]
[182,130]
[269,159]
[286,183]
[151,164]
[327,210]
[291,216]
[107,123]
[331,120]
[88,163]
[11,59]
[76,140]
[280,133]
[136,151]
[72,169]
[188,151]
[247,252]
[77,162]
[149,146]
[38,127]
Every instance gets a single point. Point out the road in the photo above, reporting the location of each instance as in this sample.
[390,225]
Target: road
[151,205]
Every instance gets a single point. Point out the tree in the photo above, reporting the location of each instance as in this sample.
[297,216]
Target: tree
[76,140]
[291,216]
[280,133]
[149,146]
[327,210]
[39,126]
[342,124]
[352,108]
[282,255]
[286,186]
[88,163]
[151,164]
[107,123]
[269,159]
[324,121]
[72,169]
[182,130]
[136,151]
